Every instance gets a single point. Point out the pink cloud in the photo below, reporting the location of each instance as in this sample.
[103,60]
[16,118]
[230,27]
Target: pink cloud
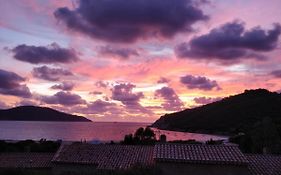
[148,65]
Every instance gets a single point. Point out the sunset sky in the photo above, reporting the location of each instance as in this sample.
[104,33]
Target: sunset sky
[135,60]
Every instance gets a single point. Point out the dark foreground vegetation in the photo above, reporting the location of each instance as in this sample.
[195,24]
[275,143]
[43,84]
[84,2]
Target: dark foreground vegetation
[263,137]
[29,146]
[146,136]
[142,136]
[253,118]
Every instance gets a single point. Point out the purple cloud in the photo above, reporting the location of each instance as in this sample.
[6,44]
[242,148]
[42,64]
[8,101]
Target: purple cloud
[50,74]
[276,73]
[52,53]
[109,111]
[12,84]
[63,98]
[198,82]
[65,86]
[206,100]
[127,21]
[100,106]
[123,53]
[163,80]
[123,92]
[230,42]
[172,101]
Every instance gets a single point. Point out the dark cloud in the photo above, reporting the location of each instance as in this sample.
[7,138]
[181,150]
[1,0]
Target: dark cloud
[12,84]
[50,74]
[163,80]
[127,21]
[206,100]
[110,111]
[52,53]
[20,91]
[63,98]
[65,86]
[10,79]
[123,93]
[123,53]
[198,82]
[172,101]
[276,73]
[230,42]
[100,106]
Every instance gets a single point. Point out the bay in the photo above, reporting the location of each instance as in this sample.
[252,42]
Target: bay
[85,131]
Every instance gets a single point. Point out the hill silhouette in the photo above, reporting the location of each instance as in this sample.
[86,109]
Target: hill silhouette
[35,113]
[233,114]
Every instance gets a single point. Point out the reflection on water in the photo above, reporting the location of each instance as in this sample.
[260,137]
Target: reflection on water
[76,131]
[174,135]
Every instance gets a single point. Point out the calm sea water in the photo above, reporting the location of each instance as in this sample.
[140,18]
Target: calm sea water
[90,131]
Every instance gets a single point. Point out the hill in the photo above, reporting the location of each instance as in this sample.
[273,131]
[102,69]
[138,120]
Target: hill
[35,113]
[231,115]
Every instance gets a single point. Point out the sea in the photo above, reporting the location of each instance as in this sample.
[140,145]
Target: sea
[86,131]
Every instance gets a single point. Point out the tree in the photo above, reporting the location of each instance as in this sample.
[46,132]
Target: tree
[265,137]
[141,136]
[128,139]
[163,138]
[148,134]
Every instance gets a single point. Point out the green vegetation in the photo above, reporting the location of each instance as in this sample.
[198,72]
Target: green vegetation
[29,146]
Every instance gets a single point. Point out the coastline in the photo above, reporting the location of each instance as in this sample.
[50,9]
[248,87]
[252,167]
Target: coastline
[89,131]
[223,134]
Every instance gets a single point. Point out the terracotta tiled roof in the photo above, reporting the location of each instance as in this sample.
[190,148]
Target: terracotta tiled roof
[25,160]
[260,164]
[106,156]
[200,154]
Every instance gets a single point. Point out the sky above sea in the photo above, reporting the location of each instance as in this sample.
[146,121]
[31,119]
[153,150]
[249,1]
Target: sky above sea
[135,60]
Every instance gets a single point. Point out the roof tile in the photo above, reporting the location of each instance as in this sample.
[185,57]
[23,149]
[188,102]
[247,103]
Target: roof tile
[197,153]
[26,160]
[260,164]
[106,156]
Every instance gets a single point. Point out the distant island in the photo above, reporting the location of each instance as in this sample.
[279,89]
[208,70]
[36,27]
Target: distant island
[36,113]
[231,115]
